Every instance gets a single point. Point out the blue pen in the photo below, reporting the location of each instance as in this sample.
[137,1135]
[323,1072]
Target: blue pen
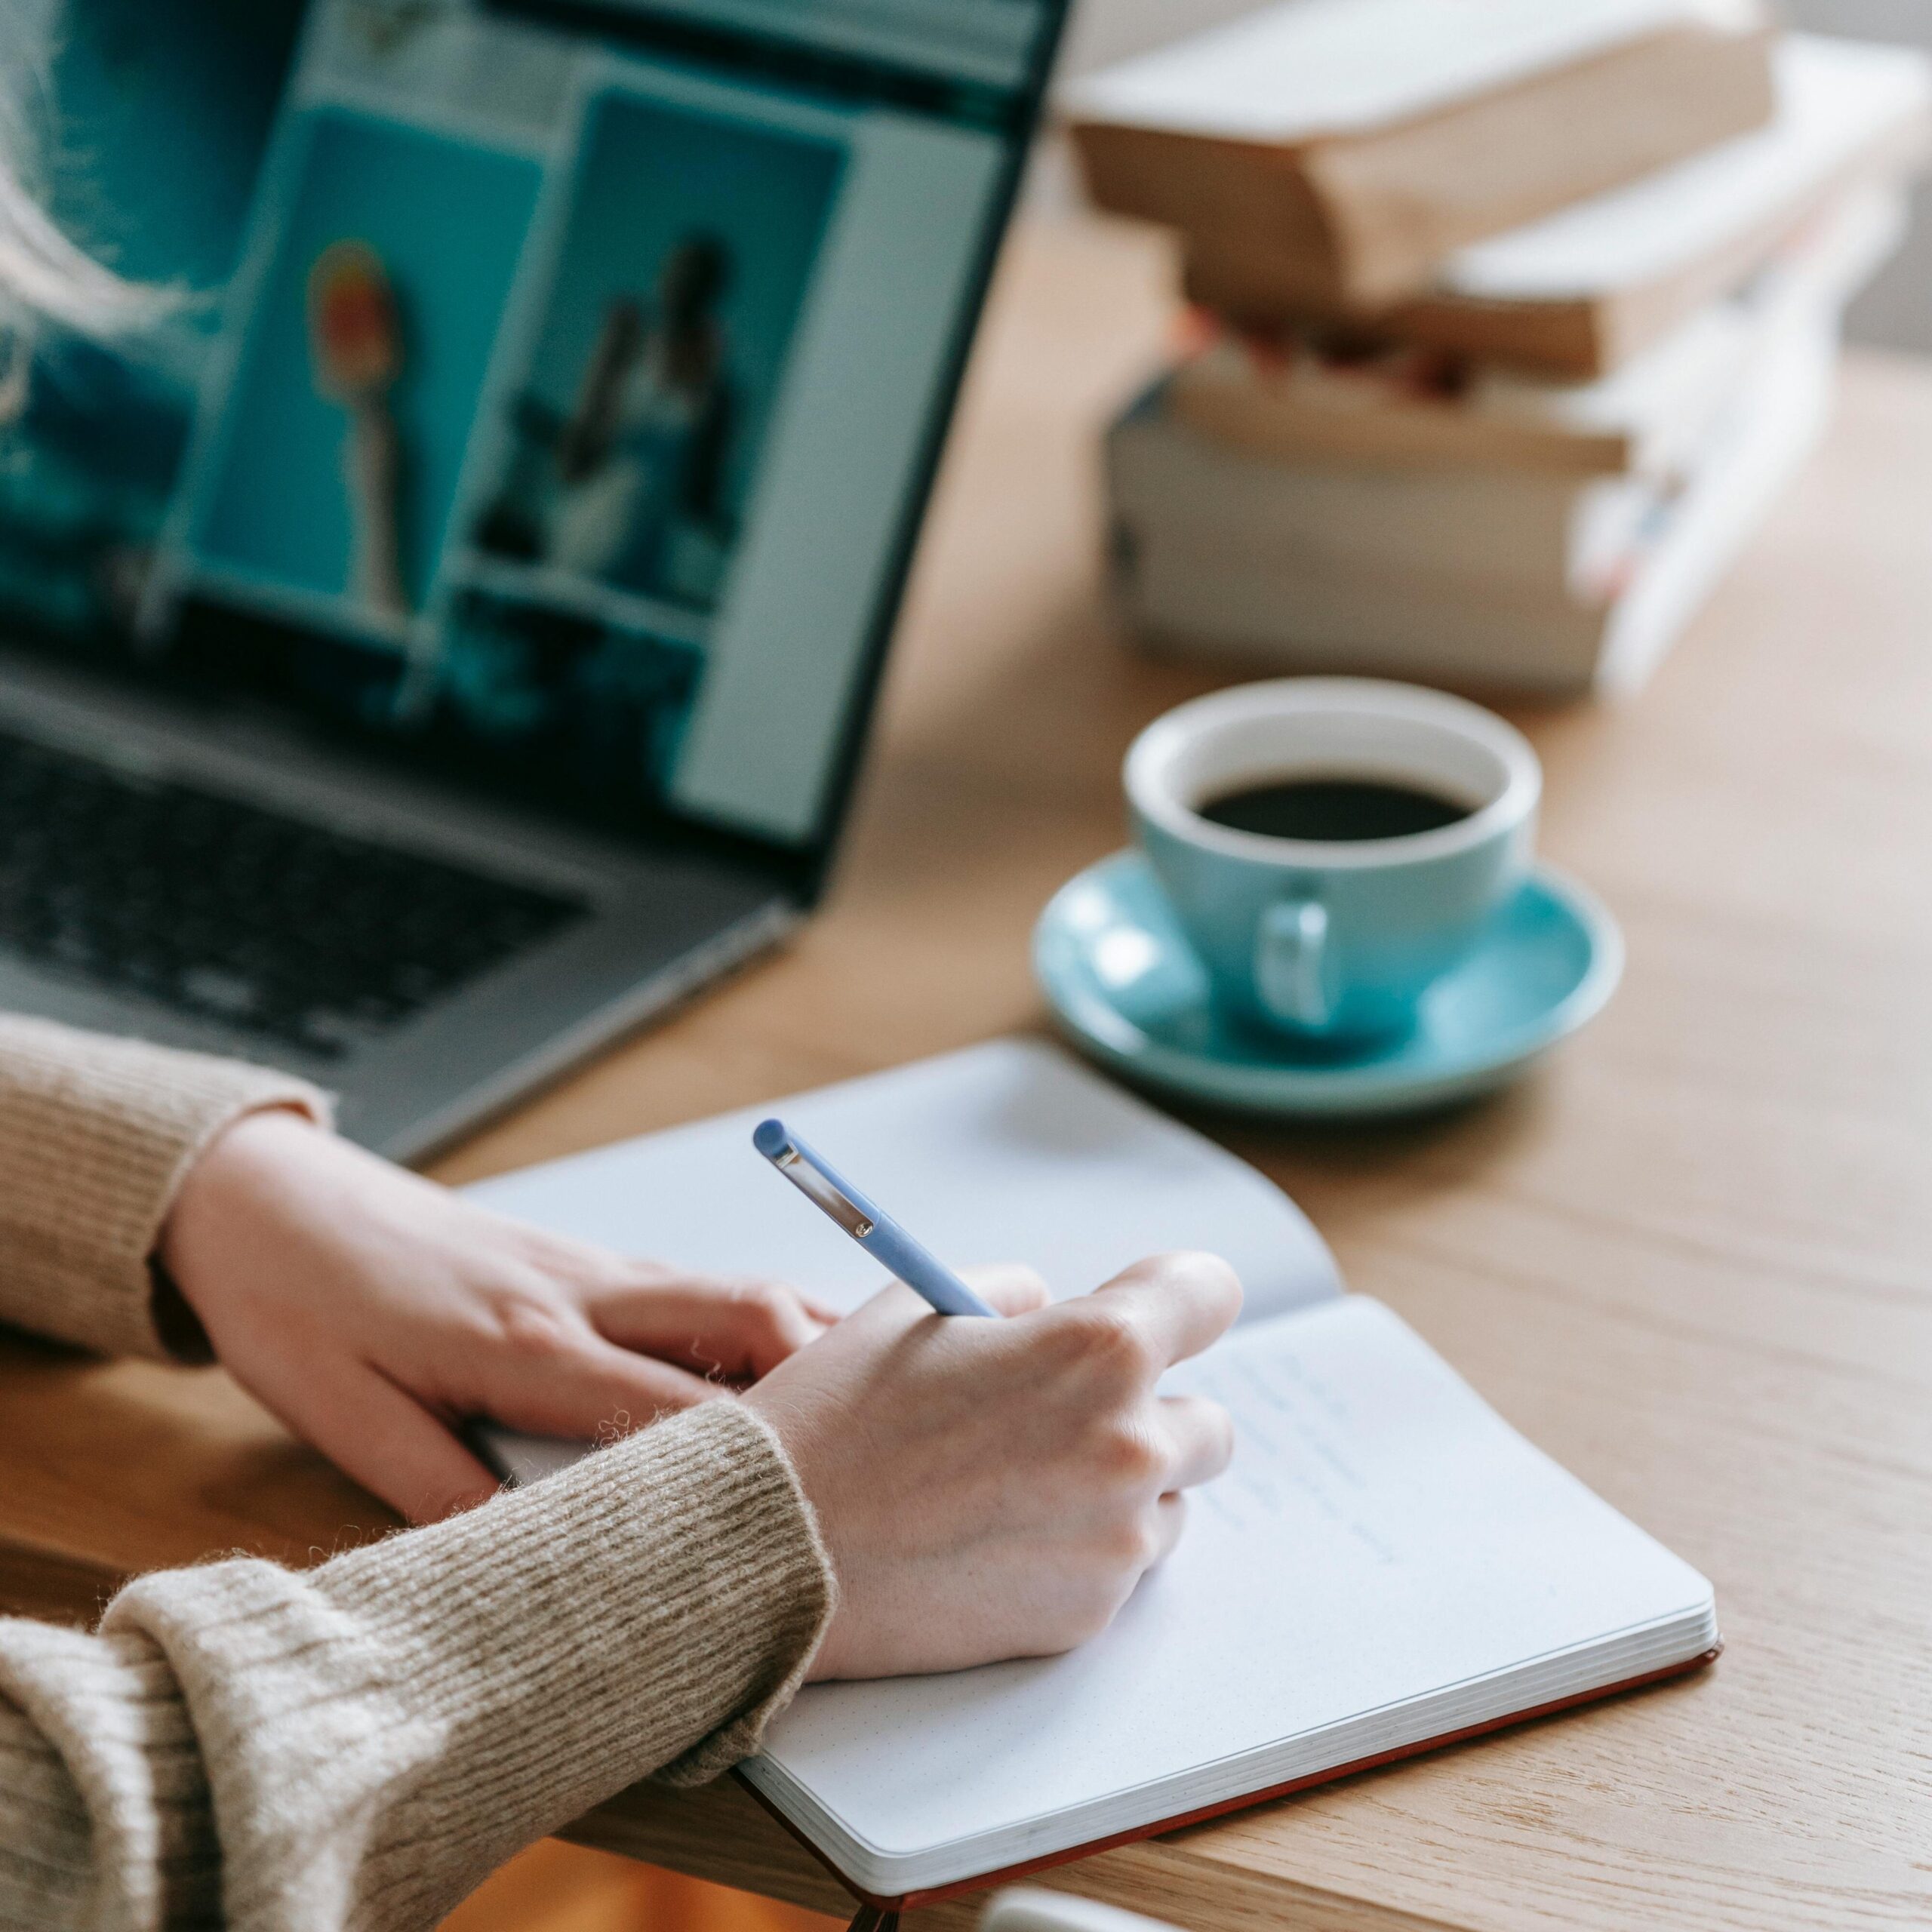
[876,1232]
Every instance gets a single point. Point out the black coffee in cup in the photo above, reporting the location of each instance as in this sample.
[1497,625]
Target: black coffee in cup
[1330,809]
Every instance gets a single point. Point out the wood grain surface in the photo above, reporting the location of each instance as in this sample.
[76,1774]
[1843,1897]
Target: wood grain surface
[1692,1256]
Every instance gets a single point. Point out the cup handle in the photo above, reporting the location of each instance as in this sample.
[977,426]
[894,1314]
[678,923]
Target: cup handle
[1290,949]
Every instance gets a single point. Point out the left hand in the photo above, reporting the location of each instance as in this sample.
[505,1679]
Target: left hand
[373,1312]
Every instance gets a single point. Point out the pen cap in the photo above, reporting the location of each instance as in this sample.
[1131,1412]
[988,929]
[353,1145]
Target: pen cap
[807,1173]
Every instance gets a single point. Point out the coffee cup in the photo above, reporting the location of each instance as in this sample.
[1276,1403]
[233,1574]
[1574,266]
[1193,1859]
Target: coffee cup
[1333,846]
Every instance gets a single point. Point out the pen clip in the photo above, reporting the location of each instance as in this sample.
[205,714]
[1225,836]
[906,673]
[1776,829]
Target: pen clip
[811,1179]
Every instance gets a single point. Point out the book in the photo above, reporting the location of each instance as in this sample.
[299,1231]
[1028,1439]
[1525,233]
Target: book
[1459,531]
[1285,614]
[1580,292]
[1308,398]
[1526,578]
[1386,1565]
[1350,146]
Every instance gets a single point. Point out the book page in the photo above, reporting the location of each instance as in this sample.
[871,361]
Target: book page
[1316,67]
[1382,1536]
[1837,99]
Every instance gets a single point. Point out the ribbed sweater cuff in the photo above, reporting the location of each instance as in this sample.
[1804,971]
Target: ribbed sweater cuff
[101,1721]
[442,1698]
[96,1135]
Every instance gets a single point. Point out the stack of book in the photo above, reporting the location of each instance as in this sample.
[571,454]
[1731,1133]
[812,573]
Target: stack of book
[1510,319]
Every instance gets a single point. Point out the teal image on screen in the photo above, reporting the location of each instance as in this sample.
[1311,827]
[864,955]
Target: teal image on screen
[650,174]
[310,451]
[686,253]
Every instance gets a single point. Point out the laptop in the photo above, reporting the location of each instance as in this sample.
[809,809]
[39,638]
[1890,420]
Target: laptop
[445,635]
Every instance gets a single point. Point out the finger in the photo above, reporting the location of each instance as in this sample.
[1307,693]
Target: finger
[391,1445]
[740,1329]
[893,1306]
[1179,1302]
[897,1306]
[1170,1520]
[589,1390]
[1201,1434]
[1011,1288]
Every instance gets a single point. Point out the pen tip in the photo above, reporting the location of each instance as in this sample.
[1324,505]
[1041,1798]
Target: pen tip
[770,1138]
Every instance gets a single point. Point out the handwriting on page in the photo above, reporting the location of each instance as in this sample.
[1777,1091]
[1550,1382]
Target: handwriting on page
[1294,1433]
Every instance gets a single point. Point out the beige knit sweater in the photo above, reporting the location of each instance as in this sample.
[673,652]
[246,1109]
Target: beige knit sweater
[356,1746]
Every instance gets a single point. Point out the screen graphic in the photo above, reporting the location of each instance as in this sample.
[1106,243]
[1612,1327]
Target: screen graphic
[551,402]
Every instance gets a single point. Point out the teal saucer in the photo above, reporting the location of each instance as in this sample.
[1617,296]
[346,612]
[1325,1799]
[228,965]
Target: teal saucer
[1127,986]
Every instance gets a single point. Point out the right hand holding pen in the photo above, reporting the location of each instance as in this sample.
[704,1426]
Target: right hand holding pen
[996,1489]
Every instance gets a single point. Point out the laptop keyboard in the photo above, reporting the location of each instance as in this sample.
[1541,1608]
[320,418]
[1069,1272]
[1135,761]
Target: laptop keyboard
[275,926]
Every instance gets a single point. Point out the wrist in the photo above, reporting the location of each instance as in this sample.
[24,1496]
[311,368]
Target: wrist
[222,1194]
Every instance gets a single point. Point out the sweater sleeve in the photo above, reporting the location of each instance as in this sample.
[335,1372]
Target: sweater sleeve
[95,1136]
[352,1749]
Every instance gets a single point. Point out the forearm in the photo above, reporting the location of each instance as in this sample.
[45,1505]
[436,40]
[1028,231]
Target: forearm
[95,1136]
[375,1736]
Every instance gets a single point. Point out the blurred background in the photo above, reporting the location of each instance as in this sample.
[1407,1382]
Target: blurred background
[1894,313]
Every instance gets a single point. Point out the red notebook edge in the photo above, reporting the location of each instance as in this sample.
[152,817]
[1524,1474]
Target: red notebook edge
[978,1882]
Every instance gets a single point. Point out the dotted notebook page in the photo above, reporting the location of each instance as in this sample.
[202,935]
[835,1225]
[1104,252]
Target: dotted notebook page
[1382,1534]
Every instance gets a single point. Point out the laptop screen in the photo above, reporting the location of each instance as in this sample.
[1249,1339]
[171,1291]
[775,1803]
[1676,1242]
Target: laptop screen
[548,393]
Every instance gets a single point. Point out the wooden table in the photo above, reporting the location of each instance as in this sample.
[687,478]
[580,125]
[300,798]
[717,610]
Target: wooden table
[1693,1257]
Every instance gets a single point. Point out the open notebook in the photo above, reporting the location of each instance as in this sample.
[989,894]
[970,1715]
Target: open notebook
[1386,1565]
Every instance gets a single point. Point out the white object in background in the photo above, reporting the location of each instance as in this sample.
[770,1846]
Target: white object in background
[1285,613]
[1837,100]
[1494,576]
[1323,67]
[1032,1908]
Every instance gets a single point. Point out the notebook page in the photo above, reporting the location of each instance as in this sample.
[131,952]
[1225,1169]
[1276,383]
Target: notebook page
[1382,1534]
[1012,1150]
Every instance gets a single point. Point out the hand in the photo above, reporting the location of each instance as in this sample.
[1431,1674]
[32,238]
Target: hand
[373,1311]
[995,1489]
